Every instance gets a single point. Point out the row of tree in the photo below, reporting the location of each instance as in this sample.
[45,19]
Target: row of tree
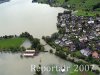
[8,36]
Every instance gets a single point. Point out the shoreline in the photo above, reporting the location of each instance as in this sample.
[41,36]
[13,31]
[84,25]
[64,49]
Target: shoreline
[72,60]
[14,43]
[56,40]
[79,12]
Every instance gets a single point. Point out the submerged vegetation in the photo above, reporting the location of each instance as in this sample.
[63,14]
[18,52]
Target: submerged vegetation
[38,70]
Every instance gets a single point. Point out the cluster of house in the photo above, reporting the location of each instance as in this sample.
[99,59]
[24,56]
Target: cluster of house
[83,28]
[87,52]
[89,26]
[64,41]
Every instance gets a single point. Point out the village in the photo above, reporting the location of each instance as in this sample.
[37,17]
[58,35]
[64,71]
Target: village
[79,33]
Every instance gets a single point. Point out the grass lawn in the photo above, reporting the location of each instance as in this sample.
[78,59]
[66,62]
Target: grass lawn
[83,5]
[12,42]
[85,13]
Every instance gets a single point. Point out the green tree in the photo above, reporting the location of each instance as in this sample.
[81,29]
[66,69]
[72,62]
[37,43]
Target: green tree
[51,51]
[55,35]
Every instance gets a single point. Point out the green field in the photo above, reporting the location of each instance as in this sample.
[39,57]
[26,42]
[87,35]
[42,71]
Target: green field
[85,13]
[84,7]
[85,4]
[12,42]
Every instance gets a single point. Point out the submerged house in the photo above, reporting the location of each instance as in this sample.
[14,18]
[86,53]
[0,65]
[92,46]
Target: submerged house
[28,53]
